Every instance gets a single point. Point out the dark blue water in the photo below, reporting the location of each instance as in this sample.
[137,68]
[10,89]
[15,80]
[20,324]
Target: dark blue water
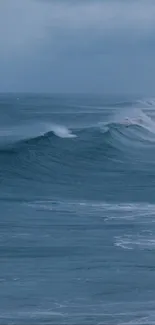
[77,220]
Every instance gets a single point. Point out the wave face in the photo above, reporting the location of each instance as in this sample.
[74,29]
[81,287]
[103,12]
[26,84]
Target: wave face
[77,226]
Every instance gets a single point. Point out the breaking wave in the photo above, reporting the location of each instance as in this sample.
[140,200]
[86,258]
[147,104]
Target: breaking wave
[127,136]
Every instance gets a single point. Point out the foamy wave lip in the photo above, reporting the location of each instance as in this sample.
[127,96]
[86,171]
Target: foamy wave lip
[62,131]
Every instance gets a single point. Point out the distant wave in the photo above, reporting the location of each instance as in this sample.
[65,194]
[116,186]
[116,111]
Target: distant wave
[139,103]
[148,102]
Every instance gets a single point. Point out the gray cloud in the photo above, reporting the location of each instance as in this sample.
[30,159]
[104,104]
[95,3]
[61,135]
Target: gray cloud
[51,39]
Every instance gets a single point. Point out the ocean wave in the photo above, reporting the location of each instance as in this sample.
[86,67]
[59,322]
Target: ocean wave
[139,103]
[130,131]
[148,102]
[124,119]
[127,135]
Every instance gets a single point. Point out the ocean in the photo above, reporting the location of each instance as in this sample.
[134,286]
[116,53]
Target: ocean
[77,210]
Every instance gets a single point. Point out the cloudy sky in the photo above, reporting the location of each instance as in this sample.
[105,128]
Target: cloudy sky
[87,46]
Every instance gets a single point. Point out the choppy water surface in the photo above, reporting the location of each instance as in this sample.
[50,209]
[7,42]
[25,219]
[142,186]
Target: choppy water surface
[77,226]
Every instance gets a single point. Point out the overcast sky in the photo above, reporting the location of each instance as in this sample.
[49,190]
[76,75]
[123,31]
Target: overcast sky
[77,46]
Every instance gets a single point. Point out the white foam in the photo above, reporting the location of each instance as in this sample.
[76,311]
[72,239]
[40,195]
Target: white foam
[62,131]
[136,241]
[133,116]
[109,211]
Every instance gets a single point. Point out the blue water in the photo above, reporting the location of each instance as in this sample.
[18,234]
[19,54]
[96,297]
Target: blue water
[77,220]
